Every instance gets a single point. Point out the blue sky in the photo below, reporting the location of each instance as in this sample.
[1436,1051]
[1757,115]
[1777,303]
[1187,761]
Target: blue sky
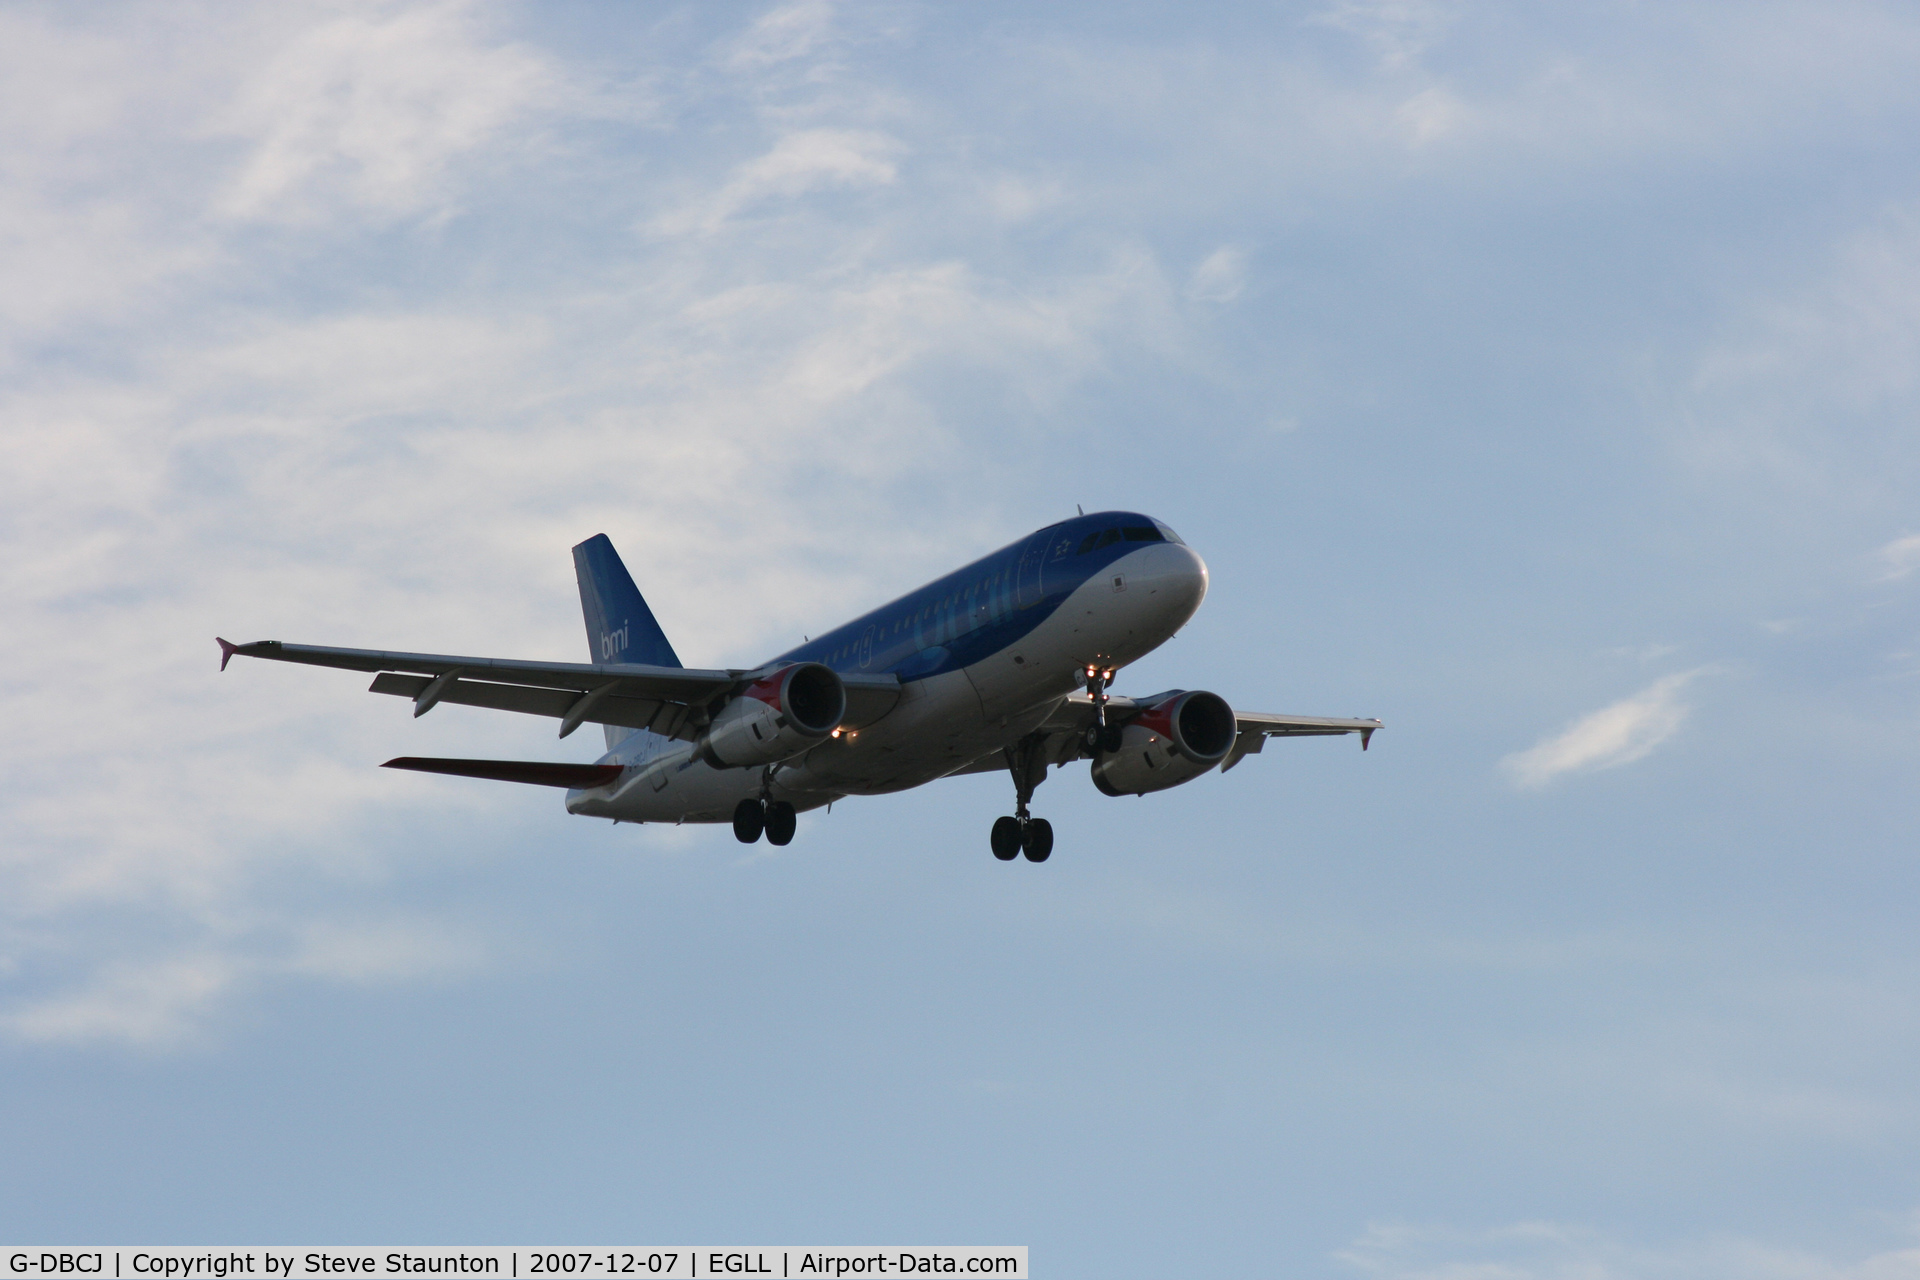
[1541,379]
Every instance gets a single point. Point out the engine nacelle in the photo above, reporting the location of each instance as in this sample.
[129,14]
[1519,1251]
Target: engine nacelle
[1175,740]
[776,718]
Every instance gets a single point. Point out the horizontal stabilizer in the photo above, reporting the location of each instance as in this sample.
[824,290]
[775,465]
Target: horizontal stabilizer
[539,772]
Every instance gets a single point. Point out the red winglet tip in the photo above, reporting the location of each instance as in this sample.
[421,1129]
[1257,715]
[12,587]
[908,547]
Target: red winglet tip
[226,651]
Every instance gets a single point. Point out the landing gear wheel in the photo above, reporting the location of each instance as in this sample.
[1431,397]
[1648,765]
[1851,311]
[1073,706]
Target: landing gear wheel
[1006,839]
[1037,840]
[1093,739]
[1111,737]
[749,819]
[780,822]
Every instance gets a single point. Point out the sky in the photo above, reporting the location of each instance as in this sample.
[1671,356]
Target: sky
[1541,379]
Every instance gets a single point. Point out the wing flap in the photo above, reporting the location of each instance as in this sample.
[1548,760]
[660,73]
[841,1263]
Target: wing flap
[636,713]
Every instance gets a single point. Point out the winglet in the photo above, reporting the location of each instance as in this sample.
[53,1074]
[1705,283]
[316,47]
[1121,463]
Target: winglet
[1366,735]
[226,651]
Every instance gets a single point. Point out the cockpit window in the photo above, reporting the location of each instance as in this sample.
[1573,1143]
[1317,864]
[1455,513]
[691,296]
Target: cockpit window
[1155,532]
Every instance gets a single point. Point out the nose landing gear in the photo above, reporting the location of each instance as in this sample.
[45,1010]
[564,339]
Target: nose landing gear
[1101,735]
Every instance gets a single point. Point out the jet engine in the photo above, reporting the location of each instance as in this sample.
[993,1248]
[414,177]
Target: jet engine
[776,718]
[1176,739]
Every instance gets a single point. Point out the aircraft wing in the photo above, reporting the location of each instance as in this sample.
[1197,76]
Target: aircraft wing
[1257,726]
[1063,728]
[667,700]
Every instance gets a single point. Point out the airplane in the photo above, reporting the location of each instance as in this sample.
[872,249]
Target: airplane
[1005,664]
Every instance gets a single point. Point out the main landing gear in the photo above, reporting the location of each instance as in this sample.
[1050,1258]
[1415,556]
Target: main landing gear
[1012,836]
[775,817]
[1023,833]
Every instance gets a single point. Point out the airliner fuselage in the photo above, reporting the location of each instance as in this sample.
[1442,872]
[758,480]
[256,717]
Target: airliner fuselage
[984,656]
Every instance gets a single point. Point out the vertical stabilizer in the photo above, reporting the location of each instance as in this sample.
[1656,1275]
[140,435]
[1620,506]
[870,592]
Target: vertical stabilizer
[620,627]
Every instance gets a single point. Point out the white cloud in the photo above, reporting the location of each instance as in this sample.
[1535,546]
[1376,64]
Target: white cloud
[1617,734]
[1900,557]
[147,1004]
[390,950]
[1220,277]
[782,34]
[800,162]
[161,1000]
[1808,393]
[341,428]
[414,480]
[1432,114]
[1398,31]
[1011,198]
[1529,106]
[356,463]
[369,106]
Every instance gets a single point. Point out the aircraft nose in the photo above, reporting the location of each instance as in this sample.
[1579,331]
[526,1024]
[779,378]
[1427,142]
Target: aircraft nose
[1188,580]
[1174,578]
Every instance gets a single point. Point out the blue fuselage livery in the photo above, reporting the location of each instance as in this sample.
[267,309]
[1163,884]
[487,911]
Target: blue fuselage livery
[995,602]
[1001,665]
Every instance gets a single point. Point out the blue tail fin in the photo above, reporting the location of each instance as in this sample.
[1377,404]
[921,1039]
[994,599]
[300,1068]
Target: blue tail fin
[620,627]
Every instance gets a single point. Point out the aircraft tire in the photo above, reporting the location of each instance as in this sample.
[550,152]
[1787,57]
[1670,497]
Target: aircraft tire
[1112,737]
[749,819]
[1006,839]
[1038,840]
[781,821]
